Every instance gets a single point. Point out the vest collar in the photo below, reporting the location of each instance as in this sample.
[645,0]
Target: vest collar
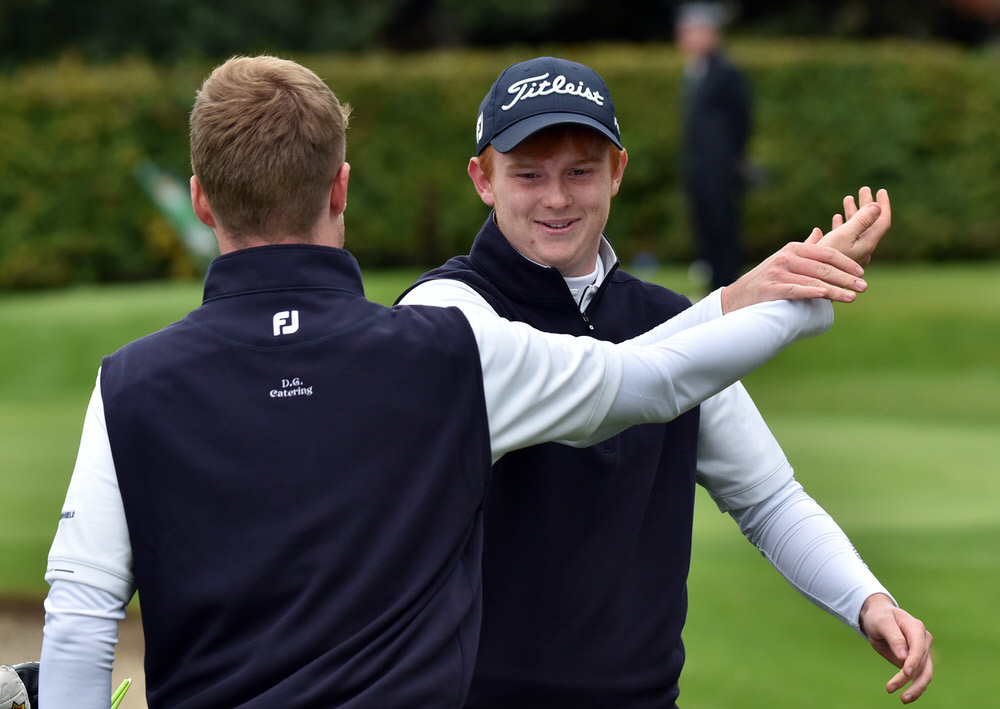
[282,267]
[520,277]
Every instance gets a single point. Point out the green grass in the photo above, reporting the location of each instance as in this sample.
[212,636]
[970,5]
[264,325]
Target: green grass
[891,421]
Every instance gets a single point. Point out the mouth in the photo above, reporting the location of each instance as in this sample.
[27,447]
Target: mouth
[558,225]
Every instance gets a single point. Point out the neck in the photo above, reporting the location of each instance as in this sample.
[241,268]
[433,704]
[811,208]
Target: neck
[319,237]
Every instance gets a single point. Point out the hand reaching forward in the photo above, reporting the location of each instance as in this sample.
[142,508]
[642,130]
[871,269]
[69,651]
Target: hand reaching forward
[902,640]
[822,266]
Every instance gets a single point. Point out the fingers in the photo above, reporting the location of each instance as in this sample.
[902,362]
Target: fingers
[919,681]
[798,271]
[915,653]
[905,642]
[850,208]
[917,648]
[858,235]
[918,684]
[883,201]
[862,220]
[865,198]
[810,271]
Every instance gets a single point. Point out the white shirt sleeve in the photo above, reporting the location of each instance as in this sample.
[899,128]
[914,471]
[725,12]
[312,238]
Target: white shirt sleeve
[543,386]
[807,547]
[708,308]
[739,461]
[449,292]
[90,574]
[672,372]
[78,649]
[92,545]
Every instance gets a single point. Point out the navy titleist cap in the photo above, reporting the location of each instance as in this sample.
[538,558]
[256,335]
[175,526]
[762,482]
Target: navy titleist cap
[539,93]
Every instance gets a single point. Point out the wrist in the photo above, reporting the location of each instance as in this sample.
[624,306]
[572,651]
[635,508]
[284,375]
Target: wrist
[874,602]
[726,296]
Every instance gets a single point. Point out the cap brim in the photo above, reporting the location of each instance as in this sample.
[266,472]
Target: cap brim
[514,135]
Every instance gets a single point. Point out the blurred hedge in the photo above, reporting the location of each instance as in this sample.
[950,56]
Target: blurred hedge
[920,120]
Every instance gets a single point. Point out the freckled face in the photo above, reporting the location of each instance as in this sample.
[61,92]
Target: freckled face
[553,208]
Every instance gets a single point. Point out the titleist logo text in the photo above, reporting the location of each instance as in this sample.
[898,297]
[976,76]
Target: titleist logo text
[541,86]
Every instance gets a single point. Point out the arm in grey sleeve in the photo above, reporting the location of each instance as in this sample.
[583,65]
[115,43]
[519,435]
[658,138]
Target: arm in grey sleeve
[89,573]
[810,550]
[78,649]
[672,372]
[708,308]
[449,292]
[91,545]
[578,390]
[531,394]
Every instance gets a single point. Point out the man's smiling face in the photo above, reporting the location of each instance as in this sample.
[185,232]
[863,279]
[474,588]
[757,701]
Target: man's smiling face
[552,196]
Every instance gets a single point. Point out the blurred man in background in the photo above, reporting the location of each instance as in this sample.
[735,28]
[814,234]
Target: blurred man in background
[716,103]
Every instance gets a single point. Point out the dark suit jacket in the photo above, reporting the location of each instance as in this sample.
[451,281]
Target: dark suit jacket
[717,115]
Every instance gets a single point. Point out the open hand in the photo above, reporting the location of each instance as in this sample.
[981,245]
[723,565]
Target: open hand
[858,246]
[822,266]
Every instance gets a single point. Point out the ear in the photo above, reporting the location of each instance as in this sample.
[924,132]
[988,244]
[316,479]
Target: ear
[616,178]
[338,192]
[199,201]
[483,186]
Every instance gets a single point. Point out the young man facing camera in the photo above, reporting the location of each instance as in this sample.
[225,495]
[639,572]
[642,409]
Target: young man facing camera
[587,550]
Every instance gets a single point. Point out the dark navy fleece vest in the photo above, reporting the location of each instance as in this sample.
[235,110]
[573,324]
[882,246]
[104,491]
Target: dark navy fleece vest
[302,472]
[587,551]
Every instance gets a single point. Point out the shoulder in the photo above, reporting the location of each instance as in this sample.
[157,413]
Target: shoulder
[144,349]
[457,282]
[457,268]
[423,328]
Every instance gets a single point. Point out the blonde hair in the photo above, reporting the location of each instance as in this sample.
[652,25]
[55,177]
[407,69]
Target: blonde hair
[267,138]
[546,142]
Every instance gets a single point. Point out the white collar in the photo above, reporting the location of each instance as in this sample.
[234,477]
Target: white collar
[583,288]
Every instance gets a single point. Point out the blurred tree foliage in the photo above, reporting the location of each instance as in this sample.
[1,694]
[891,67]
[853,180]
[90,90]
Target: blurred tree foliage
[165,30]
[916,118]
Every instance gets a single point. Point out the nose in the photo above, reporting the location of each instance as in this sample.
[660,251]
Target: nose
[557,195]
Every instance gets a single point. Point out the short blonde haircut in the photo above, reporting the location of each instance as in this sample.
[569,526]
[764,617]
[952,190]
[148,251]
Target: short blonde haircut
[267,139]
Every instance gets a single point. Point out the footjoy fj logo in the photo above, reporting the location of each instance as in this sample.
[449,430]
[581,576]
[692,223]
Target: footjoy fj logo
[540,86]
[291,387]
[286,322]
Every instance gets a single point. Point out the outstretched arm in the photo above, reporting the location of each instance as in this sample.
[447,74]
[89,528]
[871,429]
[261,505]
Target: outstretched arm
[824,265]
